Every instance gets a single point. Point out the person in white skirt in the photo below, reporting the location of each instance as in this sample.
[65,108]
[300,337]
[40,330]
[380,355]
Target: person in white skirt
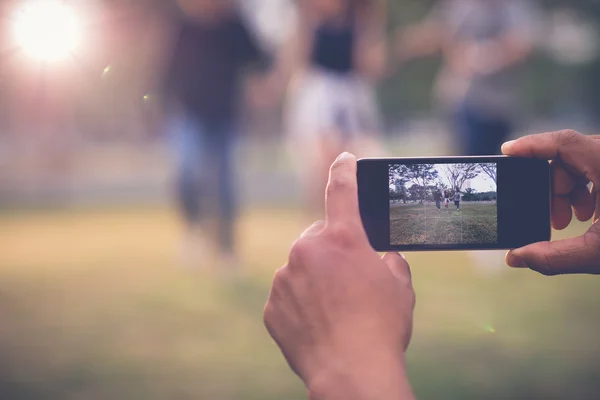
[338,55]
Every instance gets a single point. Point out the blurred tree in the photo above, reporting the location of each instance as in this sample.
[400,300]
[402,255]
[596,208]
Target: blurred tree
[422,176]
[458,174]
[397,174]
[415,193]
[469,194]
[490,170]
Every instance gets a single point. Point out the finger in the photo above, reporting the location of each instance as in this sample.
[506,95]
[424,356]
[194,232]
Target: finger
[561,214]
[583,203]
[596,194]
[571,256]
[563,182]
[399,266]
[342,190]
[574,149]
[314,229]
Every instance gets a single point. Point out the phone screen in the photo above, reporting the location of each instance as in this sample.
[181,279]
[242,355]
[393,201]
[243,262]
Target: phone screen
[454,203]
[441,204]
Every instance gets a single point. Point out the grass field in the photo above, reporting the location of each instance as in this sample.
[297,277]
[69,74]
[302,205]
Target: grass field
[93,305]
[425,224]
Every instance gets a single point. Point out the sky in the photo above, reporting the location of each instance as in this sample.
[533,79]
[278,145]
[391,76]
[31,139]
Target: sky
[482,183]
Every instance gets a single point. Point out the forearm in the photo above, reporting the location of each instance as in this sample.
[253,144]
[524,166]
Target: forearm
[418,41]
[372,58]
[372,47]
[382,381]
[502,53]
[289,59]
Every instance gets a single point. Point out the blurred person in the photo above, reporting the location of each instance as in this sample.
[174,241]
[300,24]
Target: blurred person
[483,43]
[337,55]
[343,317]
[203,83]
[457,200]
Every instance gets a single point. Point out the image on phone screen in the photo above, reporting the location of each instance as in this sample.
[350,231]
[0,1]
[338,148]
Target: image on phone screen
[443,204]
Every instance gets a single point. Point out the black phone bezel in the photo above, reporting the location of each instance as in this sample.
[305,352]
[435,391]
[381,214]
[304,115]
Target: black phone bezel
[524,187]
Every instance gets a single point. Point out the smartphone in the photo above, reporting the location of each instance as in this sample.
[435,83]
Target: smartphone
[454,203]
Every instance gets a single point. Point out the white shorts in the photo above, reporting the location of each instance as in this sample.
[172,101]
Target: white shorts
[338,108]
[326,103]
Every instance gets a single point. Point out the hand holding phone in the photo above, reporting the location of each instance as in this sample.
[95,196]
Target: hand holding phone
[341,314]
[575,163]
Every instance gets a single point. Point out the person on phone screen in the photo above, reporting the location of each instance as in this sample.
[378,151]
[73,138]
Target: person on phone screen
[343,316]
[337,55]
[212,49]
[484,44]
[457,200]
[437,197]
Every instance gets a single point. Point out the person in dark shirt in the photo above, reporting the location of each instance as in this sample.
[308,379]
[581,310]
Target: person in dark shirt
[437,197]
[213,50]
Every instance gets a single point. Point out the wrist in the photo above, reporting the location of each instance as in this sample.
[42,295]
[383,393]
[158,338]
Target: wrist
[372,378]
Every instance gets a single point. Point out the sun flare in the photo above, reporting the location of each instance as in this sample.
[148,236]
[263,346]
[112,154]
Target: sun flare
[47,30]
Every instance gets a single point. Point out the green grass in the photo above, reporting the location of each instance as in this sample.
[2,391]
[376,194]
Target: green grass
[425,224]
[94,305]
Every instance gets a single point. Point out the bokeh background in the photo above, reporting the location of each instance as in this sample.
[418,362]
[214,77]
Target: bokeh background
[94,303]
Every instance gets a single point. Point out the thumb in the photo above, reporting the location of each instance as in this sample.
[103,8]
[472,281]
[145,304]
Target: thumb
[399,267]
[580,255]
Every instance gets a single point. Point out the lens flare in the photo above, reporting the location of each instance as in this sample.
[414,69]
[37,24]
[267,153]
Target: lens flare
[47,30]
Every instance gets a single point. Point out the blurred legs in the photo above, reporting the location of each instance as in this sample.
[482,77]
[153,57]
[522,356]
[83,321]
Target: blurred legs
[205,182]
[188,151]
[480,134]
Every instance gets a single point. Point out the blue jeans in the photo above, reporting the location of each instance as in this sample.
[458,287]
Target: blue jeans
[480,134]
[205,175]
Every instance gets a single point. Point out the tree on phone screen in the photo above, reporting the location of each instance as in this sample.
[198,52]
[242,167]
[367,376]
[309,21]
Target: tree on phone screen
[458,174]
[490,170]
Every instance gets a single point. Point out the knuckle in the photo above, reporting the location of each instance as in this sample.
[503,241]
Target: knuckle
[268,313]
[595,145]
[345,233]
[278,287]
[591,240]
[280,278]
[299,252]
[548,267]
[568,136]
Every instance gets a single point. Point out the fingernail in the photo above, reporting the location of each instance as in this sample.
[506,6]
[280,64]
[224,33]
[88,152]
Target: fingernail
[507,145]
[402,255]
[343,156]
[515,261]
